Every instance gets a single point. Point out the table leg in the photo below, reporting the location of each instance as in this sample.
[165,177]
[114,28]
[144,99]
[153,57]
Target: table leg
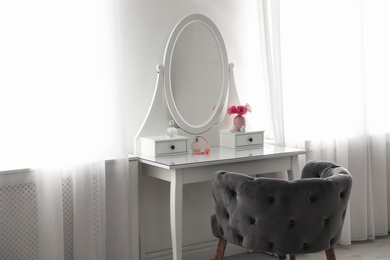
[176,213]
[293,173]
[142,246]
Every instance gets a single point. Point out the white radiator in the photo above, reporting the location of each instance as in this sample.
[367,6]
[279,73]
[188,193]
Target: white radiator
[18,222]
[19,235]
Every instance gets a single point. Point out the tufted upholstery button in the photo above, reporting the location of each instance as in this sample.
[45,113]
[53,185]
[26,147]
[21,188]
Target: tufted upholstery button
[270,245]
[292,223]
[341,194]
[252,221]
[234,194]
[221,230]
[313,198]
[270,200]
[326,221]
[225,213]
[240,239]
[305,246]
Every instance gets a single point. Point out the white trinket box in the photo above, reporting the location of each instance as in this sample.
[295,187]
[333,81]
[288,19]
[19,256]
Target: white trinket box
[241,141]
[164,146]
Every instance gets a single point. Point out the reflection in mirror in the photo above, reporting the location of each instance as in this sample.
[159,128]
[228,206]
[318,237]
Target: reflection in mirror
[197,69]
[196,74]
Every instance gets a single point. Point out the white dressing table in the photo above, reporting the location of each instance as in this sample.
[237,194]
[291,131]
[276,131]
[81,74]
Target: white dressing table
[190,168]
[194,87]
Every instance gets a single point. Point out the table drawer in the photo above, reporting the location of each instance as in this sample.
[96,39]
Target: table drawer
[169,147]
[238,140]
[162,146]
[249,139]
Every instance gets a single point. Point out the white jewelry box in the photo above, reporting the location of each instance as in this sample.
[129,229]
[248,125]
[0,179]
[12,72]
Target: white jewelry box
[241,141]
[164,146]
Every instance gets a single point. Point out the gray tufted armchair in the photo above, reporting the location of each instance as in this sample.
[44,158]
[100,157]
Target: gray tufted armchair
[279,216]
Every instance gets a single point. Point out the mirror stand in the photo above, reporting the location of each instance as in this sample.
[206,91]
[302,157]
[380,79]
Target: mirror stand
[194,88]
[233,99]
[156,121]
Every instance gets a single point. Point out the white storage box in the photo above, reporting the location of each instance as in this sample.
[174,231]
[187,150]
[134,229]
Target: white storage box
[163,145]
[240,141]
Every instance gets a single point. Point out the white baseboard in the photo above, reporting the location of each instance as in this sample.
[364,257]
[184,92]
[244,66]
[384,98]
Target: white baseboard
[203,251]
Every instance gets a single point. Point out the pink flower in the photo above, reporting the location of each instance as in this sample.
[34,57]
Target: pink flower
[232,110]
[239,110]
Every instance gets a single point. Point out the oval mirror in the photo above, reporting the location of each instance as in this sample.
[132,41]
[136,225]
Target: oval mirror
[196,74]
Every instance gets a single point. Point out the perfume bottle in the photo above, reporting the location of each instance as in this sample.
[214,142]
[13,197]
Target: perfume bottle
[171,130]
[196,146]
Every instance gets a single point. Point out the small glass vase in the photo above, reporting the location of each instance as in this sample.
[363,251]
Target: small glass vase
[238,122]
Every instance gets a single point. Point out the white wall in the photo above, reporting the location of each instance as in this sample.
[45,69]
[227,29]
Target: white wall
[147,25]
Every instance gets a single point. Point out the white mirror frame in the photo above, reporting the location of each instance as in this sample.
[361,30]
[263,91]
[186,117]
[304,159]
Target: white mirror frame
[195,129]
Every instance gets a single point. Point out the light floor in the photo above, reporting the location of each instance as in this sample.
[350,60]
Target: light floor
[365,250]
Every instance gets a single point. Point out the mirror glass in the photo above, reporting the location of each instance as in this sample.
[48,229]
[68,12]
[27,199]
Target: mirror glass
[196,72]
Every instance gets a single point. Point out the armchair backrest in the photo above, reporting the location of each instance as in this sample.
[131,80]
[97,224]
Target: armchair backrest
[284,217]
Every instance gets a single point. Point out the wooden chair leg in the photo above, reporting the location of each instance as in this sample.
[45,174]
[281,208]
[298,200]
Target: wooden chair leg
[220,249]
[330,255]
[292,257]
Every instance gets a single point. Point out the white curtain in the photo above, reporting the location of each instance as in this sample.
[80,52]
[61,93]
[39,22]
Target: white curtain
[334,60]
[64,168]
[269,27]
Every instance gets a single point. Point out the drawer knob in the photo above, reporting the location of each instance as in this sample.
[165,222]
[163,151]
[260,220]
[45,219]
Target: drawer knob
[172,147]
[250,139]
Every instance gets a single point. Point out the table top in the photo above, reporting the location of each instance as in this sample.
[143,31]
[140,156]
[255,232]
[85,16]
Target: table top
[220,155]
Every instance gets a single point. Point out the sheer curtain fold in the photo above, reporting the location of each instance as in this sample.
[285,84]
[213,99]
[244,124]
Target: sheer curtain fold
[89,216]
[331,65]
[268,12]
[50,213]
